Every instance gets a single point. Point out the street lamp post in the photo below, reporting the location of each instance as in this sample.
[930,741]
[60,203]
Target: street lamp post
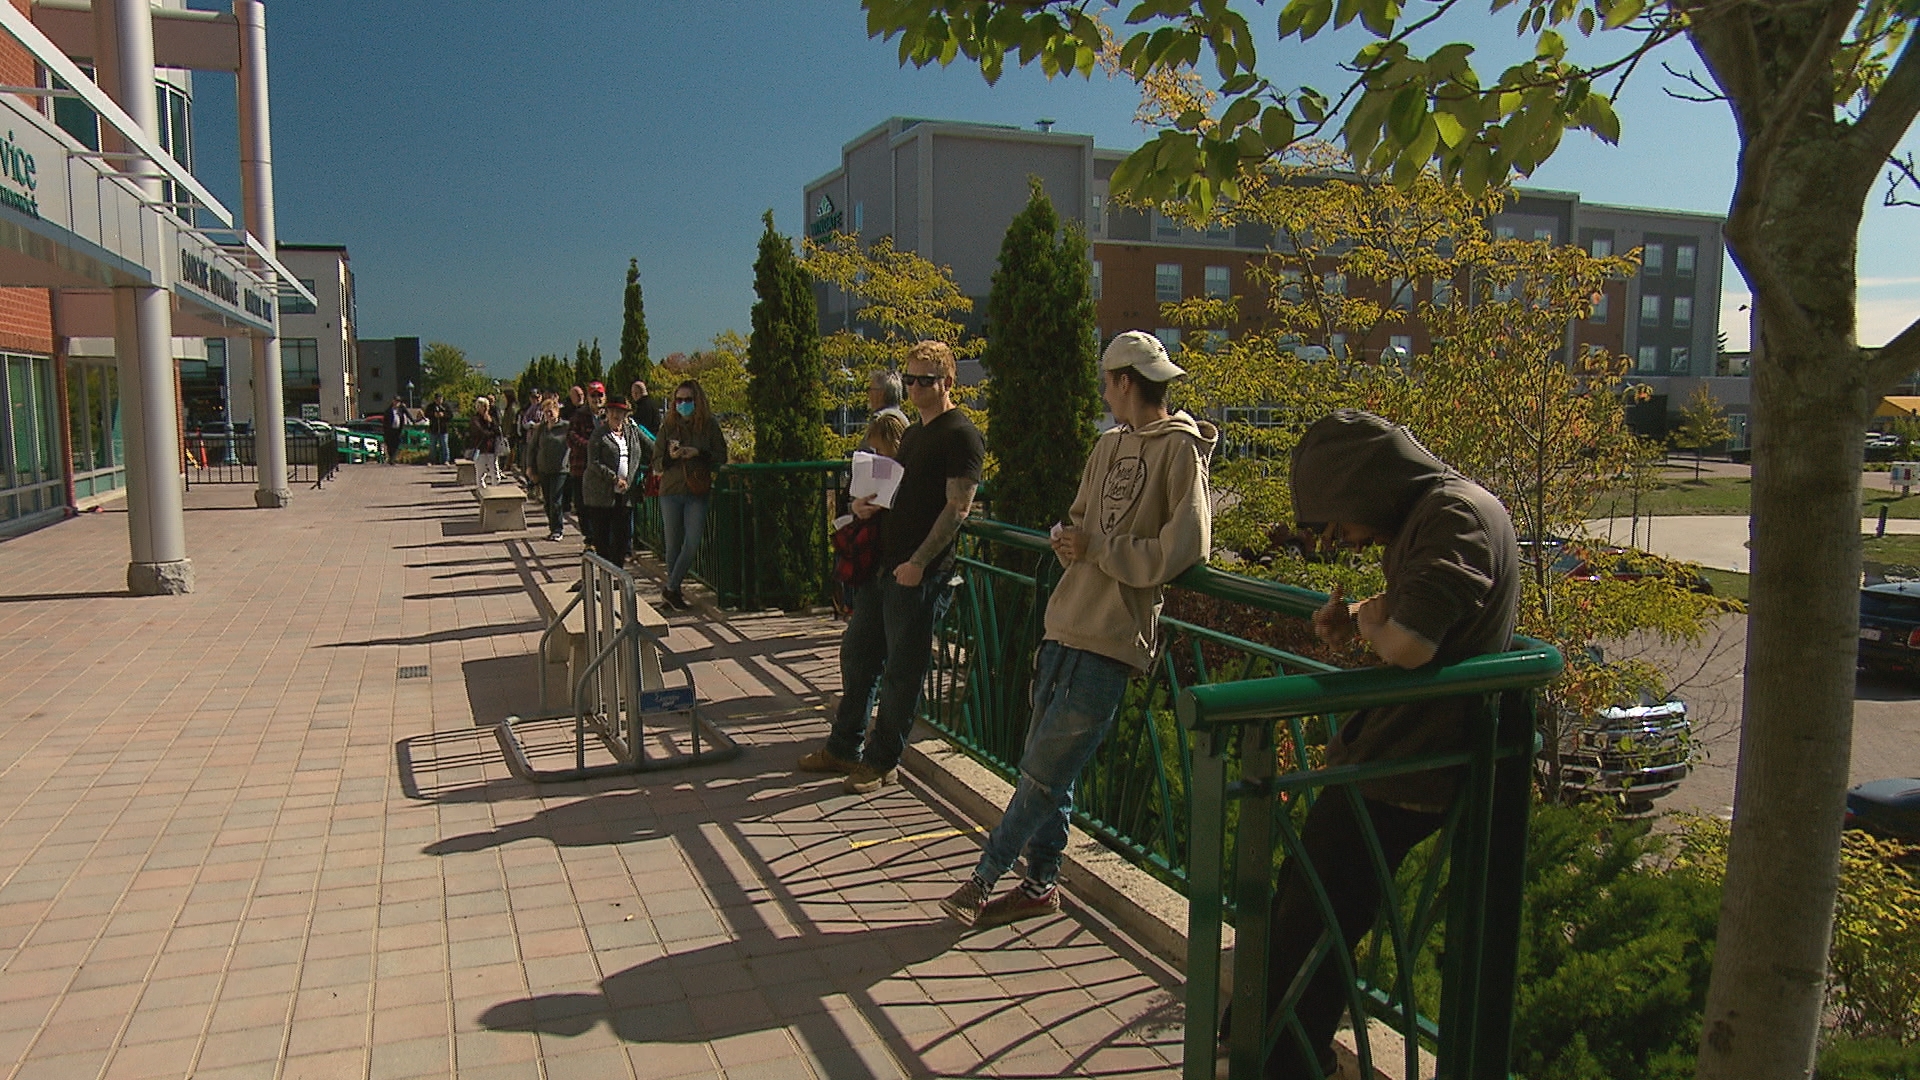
[409,394]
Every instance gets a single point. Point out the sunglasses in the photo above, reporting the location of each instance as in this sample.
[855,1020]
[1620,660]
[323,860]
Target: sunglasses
[921,380]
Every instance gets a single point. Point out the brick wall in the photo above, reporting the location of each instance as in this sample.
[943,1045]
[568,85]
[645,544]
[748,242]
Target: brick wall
[26,315]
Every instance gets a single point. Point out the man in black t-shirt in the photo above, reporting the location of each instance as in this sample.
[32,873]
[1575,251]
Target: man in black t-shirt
[889,636]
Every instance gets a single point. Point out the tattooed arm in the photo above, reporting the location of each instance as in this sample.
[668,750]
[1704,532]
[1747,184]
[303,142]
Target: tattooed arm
[945,527]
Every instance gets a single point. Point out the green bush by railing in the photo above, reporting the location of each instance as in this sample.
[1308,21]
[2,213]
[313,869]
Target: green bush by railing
[728,560]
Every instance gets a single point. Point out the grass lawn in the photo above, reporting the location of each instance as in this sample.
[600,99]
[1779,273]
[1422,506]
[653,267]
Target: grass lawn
[1728,583]
[1897,550]
[1728,495]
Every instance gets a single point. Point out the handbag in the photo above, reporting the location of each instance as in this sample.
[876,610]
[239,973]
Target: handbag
[650,489]
[699,477]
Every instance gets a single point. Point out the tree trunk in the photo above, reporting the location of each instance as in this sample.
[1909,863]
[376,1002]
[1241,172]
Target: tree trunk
[1811,405]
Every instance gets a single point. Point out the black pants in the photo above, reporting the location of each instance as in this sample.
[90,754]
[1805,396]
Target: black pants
[610,530]
[571,500]
[1337,848]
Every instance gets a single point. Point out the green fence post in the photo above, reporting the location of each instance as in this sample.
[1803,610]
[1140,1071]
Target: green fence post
[1466,907]
[1252,901]
[1207,841]
[1511,803]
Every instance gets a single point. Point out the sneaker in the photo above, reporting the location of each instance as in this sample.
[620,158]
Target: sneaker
[824,760]
[1014,905]
[965,903]
[677,599]
[862,779]
[554,537]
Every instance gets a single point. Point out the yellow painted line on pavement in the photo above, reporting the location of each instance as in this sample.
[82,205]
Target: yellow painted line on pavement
[940,834]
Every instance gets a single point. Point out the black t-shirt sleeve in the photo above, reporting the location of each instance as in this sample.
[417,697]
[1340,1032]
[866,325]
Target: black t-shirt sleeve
[966,453]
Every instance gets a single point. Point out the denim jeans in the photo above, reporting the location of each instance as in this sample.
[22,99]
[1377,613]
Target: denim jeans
[1076,695]
[440,453]
[683,518]
[553,489]
[883,654]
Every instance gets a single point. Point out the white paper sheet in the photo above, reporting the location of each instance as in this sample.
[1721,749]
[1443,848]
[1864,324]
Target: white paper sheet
[877,476]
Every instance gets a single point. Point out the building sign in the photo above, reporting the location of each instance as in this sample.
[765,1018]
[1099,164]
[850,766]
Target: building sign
[17,181]
[309,410]
[826,217]
[212,277]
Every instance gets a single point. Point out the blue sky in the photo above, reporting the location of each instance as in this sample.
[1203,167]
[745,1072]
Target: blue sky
[491,166]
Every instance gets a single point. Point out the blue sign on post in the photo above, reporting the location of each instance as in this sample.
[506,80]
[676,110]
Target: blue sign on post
[678,699]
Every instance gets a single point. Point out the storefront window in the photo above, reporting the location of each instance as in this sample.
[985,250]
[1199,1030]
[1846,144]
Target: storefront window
[93,424]
[30,480]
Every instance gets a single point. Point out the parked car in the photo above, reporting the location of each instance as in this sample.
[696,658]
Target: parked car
[354,446]
[1890,627]
[1636,753]
[1888,808]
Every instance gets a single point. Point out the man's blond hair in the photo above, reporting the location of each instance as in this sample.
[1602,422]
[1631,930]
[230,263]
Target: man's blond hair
[938,353]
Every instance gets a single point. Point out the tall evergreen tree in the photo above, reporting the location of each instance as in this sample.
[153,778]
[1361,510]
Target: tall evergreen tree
[547,373]
[785,393]
[1043,382]
[586,363]
[634,362]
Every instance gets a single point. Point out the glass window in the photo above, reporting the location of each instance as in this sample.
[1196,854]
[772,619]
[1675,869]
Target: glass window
[1503,232]
[1098,280]
[1442,291]
[859,215]
[99,423]
[296,305]
[1648,360]
[1096,216]
[1602,247]
[1649,311]
[1170,337]
[1333,284]
[1683,311]
[1679,360]
[1399,295]
[1219,281]
[1337,345]
[1290,286]
[1166,282]
[1544,235]
[1212,340]
[110,407]
[1165,227]
[1401,346]
[1683,256]
[80,447]
[1654,262]
[74,117]
[1599,309]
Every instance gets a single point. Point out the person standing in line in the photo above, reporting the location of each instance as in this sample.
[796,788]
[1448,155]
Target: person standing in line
[689,448]
[439,424]
[547,444]
[508,416]
[395,426]
[889,636]
[580,425]
[647,409]
[575,398]
[534,413]
[1453,586]
[1141,517]
[483,436]
[609,466]
[883,398]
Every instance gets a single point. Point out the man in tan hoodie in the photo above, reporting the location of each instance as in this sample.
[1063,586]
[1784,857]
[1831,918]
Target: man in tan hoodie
[1141,518]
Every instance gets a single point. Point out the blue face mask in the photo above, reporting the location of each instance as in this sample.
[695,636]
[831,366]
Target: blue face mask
[684,408]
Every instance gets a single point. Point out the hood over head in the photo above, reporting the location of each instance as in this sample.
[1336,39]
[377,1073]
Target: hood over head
[1353,466]
[1180,422]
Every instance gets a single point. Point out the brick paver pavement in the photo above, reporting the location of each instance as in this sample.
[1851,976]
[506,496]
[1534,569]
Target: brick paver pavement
[233,843]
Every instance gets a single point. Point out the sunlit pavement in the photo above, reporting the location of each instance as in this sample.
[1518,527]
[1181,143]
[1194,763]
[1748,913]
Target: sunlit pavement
[236,843]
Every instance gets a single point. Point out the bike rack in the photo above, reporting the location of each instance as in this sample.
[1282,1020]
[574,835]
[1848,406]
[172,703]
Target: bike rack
[610,695]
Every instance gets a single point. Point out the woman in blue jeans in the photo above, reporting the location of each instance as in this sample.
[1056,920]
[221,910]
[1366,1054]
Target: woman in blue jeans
[687,450]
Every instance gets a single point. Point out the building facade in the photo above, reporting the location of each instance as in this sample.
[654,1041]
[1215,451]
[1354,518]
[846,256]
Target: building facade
[319,376]
[949,190]
[389,369]
[116,264]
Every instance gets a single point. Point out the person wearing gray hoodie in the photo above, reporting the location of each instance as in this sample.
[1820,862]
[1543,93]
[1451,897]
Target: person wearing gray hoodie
[1142,516]
[1453,585]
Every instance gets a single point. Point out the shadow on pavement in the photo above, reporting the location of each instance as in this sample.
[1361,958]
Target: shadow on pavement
[465,633]
[35,598]
[502,686]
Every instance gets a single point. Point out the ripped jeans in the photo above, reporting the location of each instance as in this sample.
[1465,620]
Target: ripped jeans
[1076,696]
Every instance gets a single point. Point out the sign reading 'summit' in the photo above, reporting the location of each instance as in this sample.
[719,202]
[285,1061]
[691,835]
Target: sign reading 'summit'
[17,169]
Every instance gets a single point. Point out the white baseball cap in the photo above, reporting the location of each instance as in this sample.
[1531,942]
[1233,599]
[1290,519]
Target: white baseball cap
[1142,352]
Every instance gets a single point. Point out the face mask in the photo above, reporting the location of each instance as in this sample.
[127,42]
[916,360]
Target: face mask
[684,408]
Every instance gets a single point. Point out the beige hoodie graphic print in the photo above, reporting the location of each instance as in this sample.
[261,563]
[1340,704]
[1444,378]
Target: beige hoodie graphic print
[1145,506]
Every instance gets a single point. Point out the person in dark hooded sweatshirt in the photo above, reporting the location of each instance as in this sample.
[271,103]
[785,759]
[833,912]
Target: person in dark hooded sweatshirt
[1453,584]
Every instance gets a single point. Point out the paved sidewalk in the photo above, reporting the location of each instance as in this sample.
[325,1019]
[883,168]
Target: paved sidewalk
[234,843]
[1718,541]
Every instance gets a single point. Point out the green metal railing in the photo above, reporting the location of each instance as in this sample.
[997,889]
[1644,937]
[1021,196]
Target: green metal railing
[1206,777]
[747,502]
